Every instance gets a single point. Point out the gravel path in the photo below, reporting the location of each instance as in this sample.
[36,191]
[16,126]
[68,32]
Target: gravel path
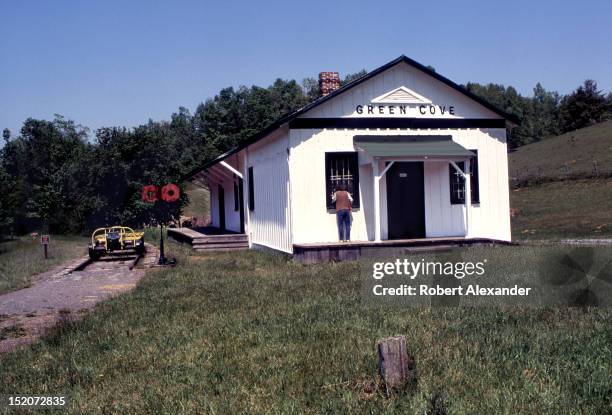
[26,314]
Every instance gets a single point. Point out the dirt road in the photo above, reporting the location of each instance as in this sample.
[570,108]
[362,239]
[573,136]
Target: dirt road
[26,314]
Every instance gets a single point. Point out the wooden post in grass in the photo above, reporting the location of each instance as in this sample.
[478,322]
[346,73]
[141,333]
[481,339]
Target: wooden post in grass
[44,241]
[395,366]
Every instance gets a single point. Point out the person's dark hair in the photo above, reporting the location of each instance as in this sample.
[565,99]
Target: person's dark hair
[341,186]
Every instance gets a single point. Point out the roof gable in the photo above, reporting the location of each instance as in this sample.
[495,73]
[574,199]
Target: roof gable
[420,68]
[399,93]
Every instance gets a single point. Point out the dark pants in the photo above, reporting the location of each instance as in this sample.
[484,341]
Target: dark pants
[343,217]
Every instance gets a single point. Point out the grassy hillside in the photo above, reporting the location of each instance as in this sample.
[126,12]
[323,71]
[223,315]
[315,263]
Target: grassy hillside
[571,154]
[252,333]
[557,192]
[199,201]
[563,209]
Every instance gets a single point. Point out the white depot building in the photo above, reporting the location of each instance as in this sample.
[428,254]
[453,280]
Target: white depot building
[424,159]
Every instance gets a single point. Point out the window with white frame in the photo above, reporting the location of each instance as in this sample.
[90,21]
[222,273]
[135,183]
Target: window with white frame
[457,182]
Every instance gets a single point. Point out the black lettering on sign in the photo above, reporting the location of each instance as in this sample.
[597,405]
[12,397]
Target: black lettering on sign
[392,109]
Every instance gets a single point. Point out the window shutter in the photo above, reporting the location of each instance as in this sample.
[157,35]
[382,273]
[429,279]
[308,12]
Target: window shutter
[251,190]
[236,198]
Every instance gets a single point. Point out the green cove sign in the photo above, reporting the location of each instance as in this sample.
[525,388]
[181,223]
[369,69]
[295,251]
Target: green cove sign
[387,109]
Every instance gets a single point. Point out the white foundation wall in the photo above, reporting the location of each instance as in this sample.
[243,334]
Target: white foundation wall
[312,222]
[270,221]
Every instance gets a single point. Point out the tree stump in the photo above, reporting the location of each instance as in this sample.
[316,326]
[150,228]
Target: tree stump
[395,365]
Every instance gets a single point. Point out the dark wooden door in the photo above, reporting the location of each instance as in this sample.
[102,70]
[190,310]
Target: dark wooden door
[406,200]
[221,196]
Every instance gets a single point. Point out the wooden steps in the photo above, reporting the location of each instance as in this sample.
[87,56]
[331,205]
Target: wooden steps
[210,243]
[219,239]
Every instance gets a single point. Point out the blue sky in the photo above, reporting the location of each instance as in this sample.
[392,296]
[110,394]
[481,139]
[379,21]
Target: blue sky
[122,62]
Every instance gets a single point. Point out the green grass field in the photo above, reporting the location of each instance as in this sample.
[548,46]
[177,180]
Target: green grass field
[253,333]
[577,150]
[561,210]
[551,203]
[22,258]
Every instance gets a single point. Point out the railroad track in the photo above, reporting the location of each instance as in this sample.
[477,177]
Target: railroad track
[114,261]
[110,262]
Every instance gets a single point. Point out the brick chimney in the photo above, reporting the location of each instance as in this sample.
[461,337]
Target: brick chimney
[328,82]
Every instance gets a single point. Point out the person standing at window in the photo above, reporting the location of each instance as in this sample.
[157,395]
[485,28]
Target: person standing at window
[343,201]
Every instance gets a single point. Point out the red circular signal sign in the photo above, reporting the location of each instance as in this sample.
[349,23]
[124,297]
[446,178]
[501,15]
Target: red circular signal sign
[149,193]
[170,193]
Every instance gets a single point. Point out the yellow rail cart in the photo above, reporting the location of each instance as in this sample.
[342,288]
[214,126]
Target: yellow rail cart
[116,240]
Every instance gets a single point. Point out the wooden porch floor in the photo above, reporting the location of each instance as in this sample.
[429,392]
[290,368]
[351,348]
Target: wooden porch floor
[353,250]
[210,238]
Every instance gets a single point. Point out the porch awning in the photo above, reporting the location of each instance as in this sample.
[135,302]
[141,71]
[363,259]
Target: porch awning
[425,146]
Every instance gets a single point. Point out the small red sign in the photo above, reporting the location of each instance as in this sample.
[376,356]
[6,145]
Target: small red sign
[44,240]
[149,193]
[170,193]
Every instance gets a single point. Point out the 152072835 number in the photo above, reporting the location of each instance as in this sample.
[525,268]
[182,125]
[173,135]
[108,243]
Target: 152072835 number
[35,400]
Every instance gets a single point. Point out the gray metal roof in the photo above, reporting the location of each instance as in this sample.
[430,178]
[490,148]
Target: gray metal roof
[434,146]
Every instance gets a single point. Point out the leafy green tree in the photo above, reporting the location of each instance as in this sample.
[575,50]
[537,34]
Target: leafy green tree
[310,88]
[585,106]
[8,205]
[510,101]
[54,151]
[541,115]
[350,77]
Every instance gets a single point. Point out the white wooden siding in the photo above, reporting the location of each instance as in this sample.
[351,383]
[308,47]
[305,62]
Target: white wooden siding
[270,223]
[313,223]
[401,75]
[290,199]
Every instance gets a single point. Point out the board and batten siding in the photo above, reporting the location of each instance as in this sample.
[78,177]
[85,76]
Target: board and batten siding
[289,169]
[312,222]
[270,222]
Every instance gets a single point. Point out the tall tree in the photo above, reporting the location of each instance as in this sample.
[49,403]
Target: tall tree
[585,106]
[542,115]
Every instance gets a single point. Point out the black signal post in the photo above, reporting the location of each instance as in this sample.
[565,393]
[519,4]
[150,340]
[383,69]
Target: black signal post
[162,257]
[169,193]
